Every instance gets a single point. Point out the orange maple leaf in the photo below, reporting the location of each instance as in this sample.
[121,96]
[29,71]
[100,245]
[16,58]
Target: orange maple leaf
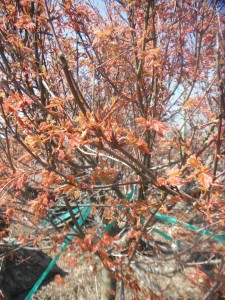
[158,126]
[58,279]
[205,179]
[174,176]
[193,162]
[161,181]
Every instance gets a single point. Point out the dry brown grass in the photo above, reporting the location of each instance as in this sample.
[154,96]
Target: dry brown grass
[82,283]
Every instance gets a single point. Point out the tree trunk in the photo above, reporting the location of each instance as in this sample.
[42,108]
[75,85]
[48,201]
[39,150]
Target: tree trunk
[108,286]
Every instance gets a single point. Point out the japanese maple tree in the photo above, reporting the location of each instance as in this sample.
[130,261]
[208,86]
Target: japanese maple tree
[117,106]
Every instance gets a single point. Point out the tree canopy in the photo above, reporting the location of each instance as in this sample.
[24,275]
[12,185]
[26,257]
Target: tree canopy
[113,111]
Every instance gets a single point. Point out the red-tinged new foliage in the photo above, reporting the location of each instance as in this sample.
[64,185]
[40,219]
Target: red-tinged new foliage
[116,109]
